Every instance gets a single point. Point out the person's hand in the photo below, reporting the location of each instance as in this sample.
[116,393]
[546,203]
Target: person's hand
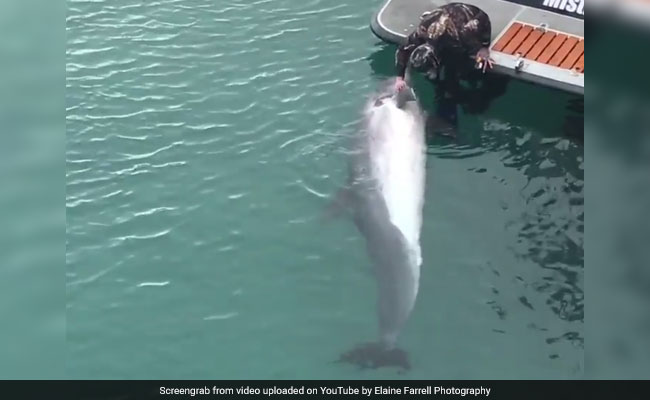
[483,59]
[400,83]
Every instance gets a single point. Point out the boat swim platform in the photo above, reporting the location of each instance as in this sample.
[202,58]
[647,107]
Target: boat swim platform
[538,41]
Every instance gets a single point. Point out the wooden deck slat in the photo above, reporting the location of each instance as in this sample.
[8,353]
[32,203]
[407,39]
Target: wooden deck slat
[529,42]
[518,39]
[552,48]
[580,64]
[505,39]
[574,55]
[563,51]
[539,47]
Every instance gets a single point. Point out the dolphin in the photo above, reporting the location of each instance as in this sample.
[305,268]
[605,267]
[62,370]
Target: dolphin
[384,195]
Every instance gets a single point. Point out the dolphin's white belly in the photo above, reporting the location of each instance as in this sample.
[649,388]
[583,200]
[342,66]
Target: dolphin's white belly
[398,167]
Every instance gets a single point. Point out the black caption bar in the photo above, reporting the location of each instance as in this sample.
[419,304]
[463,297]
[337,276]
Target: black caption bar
[167,390]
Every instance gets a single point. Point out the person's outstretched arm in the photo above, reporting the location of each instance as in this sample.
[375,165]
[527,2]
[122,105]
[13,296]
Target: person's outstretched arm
[403,53]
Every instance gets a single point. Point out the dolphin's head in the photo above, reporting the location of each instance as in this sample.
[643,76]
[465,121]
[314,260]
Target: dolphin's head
[404,96]
[389,93]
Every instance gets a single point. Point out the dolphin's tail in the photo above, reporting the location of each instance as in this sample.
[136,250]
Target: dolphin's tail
[397,280]
[339,205]
[376,355]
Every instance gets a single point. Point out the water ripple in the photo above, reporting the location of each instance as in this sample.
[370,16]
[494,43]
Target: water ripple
[220,317]
[152,284]
[150,236]
[131,157]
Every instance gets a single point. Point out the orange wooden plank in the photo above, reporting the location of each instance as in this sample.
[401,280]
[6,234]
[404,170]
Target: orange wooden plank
[574,55]
[563,51]
[505,39]
[518,39]
[552,47]
[580,64]
[529,42]
[539,47]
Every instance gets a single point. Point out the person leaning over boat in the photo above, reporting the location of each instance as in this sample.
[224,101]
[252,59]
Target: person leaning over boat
[452,43]
[454,36]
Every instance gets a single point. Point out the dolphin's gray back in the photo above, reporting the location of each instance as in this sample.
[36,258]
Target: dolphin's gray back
[387,249]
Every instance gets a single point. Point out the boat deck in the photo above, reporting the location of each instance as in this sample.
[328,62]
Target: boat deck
[530,43]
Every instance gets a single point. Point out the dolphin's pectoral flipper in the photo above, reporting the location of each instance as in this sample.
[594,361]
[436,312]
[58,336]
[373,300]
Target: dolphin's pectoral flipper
[376,355]
[340,203]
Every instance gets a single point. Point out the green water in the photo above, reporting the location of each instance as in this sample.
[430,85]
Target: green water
[202,139]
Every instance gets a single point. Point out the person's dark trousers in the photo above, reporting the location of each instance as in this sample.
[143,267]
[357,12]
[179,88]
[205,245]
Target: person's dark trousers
[445,121]
[475,97]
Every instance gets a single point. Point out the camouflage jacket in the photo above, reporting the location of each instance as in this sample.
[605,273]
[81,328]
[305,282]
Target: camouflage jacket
[456,30]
